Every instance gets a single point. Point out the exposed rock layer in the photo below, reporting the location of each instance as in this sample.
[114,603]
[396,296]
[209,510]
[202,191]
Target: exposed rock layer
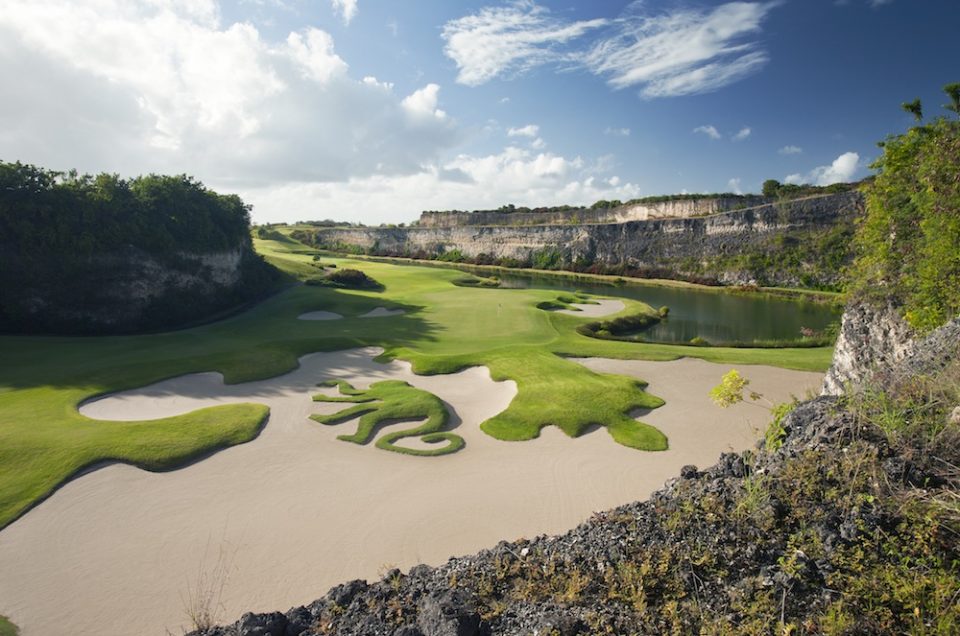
[877,346]
[131,290]
[712,245]
[620,214]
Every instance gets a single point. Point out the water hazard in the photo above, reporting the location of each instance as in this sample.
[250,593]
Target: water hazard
[716,316]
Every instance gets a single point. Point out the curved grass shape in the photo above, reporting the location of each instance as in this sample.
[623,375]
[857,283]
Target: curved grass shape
[392,401]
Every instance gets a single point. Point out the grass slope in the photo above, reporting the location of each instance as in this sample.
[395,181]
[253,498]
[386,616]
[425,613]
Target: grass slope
[445,328]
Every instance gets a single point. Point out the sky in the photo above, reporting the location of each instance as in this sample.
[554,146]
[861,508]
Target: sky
[374,110]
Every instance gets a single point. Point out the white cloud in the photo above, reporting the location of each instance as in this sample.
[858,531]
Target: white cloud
[530,130]
[313,52]
[162,86]
[423,102]
[514,175]
[617,132]
[508,40]
[734,185]
[742,134]
[346,9]
[709,131]
[841,170]
[790,150]
[685,52]
[538,144]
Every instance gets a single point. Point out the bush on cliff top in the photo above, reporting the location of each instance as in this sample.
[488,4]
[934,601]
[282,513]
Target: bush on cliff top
[909,243]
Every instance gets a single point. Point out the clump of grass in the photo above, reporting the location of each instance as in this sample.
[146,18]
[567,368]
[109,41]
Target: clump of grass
[203,599]
[387,402]
[345,279]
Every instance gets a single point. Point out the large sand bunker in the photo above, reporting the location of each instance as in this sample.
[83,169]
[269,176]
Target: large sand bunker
[295,511]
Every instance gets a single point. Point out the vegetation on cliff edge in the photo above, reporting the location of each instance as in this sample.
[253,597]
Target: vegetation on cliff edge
[909,243]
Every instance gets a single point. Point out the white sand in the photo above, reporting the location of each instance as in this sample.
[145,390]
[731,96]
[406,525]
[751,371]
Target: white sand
[381,312]
[319,315]
[296,511]
[602,308]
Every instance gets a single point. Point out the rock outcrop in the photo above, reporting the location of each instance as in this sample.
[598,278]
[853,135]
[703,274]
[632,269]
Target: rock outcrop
[717,247]
[877,346]
[130,290]
[675,209]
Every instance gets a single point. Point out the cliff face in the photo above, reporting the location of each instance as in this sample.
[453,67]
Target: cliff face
[715,246]
[877,346]
[619,214]
[130,290]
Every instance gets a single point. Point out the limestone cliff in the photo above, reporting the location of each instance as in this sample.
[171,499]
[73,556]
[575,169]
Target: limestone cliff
[876,346]
[735,246]
[129,290]
[641,211]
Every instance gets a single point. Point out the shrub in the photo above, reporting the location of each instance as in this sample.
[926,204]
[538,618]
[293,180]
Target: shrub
[621,328]
[345,278]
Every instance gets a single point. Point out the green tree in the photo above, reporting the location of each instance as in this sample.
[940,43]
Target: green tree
[771,188]
[914,108]
[908,244]
[953,92]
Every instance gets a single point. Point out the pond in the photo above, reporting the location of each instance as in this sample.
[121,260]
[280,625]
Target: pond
[718,317]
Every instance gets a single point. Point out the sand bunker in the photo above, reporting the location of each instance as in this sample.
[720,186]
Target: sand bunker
[381,312]
[602,308]
[319,315]
[296,511]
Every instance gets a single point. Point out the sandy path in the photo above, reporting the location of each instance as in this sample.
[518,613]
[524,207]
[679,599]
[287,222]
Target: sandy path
[602,308]
[296,511]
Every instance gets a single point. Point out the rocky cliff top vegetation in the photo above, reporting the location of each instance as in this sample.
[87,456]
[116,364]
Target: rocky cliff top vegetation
[103,254]
[908,245]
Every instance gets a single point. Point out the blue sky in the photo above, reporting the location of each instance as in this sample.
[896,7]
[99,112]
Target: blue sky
[371,111]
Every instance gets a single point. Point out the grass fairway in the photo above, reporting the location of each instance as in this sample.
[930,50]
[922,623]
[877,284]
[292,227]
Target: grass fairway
[444,328]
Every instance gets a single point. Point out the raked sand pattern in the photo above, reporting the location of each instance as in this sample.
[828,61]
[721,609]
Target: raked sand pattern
[115,551]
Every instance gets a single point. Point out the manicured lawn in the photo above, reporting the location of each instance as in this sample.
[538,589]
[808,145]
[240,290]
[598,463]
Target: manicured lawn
[445,328]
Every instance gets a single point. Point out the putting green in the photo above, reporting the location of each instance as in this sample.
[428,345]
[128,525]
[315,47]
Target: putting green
[443,328]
